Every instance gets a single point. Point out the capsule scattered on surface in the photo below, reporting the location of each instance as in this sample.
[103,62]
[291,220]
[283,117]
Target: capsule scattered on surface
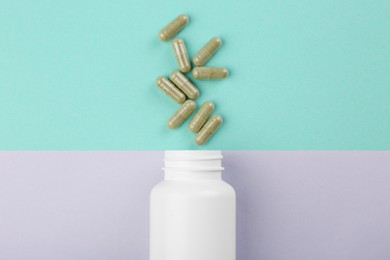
[180,50]
[170,89]
[209,73]
[173,27]
[184,84]
[207,51]
[208,129]
[201,116]
[181,114]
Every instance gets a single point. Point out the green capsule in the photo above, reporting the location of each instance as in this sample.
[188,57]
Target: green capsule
[201,116]
[181,114]
[170,89]
[184,84]
[180,50]
[173,27]
[209,73]
[207,51]
[208,129]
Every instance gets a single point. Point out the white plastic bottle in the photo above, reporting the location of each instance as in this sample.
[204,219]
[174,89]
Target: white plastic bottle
[193,211]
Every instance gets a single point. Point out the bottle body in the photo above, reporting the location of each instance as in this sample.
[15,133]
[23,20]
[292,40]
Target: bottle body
[192,216]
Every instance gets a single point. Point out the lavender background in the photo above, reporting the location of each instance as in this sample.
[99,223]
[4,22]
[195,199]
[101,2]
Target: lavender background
[291,205]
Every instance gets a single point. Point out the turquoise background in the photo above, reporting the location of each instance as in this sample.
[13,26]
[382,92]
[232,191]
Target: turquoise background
[304,74]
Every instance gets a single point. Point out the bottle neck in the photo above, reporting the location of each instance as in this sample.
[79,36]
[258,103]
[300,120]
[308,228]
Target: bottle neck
[194,175]
[193,165]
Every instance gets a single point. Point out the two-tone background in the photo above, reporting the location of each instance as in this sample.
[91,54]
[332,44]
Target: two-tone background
[77,85]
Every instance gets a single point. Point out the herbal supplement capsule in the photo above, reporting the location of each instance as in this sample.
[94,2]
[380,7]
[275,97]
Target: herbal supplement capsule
[173,27]
[170,90]
[209,73]
[184,84]
[208,129]
[179,48]
[201,116]
[207,51]
[182,114]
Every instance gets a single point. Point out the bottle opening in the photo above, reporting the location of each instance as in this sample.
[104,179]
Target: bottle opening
[193,160]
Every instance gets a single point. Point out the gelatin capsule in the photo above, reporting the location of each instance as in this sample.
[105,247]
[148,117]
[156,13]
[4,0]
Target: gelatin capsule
[181,114]
[179,48]
[184,84]
[209,73]
[173,27]
[170,89]
[207,51]
[201,116]
[208,129]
